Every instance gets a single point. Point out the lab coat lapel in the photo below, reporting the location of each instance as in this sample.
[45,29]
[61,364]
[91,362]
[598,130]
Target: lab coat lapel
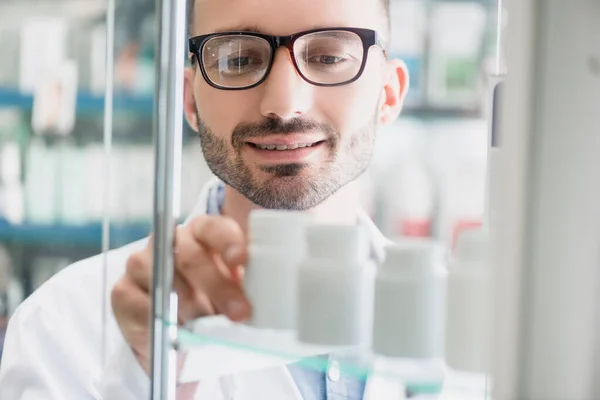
[202,203]
[384,388]
[272,384]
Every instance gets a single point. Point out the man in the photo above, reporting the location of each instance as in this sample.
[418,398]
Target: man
[286,96]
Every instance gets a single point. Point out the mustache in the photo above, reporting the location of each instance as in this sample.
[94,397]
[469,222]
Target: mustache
[277,126]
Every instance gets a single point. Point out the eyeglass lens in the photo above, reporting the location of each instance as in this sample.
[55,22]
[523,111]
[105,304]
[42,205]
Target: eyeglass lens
[329,57]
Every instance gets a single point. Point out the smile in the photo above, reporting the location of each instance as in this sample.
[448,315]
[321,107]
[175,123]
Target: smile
[283,147]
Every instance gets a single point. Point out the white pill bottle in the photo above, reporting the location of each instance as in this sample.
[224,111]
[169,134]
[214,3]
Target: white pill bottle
[277,246]
[410,293]
[335,287]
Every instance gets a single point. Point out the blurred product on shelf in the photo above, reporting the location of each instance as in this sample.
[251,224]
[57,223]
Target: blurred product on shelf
[397,148]
[428,178]
[55,100]
[455,54]
[65,182]
[41,183]
[409,197]
[11,188]
[458,154]
[67,29]
[408,43]
[43,49]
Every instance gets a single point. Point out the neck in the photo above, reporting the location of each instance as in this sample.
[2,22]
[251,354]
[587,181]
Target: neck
[340,208]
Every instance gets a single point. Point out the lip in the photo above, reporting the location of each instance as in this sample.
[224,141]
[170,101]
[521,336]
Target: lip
[299,155]
[288,139]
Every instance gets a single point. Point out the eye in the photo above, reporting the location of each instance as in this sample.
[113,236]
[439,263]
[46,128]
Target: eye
[239,62]
[326,60]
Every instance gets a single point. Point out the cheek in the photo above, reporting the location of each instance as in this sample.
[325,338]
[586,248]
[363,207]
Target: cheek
[221,110]
[352,106]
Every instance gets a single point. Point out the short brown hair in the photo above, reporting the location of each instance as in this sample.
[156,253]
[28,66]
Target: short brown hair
[385,4]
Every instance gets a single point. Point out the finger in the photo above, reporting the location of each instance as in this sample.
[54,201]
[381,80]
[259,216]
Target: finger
[211,283]
[223,236]
[186,391]
[131,307]
[228,298]
[210,279]
[192,304]
[140,265]
[130,303]
[139,269]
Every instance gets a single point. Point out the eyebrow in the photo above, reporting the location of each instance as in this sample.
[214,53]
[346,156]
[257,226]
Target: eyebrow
[247,28]
[257,29]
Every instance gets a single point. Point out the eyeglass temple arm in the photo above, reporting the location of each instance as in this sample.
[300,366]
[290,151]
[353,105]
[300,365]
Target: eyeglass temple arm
[381,42]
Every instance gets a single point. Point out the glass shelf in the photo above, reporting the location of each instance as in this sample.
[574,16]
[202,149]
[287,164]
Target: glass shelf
[216,347]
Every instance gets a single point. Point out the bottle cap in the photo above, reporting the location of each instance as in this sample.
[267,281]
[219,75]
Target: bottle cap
[278,227]
[414,255]
[338,241]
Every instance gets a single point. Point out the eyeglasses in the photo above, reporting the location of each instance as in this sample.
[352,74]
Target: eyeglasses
[323,57]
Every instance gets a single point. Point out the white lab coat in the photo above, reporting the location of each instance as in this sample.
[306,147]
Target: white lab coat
[63,343]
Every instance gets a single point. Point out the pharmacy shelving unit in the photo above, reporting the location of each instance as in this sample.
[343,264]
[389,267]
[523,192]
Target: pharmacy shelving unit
[86,102]
[85,235]
[28,241]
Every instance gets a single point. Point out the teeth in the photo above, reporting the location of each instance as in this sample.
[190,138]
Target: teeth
[282,147]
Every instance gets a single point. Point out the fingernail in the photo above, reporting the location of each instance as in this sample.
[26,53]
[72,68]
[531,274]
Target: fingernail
[237,310]
[232,253]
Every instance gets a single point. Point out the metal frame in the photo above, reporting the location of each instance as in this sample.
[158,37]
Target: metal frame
[168,126]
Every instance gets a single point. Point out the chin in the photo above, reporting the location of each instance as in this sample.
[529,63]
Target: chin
[298,192]
[285,171]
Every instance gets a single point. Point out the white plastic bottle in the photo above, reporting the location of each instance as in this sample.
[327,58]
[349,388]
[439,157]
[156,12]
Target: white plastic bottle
[410,291]
[469,305]
[277,245]
[335,293]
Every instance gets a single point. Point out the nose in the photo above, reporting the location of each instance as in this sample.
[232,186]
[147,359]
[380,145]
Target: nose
[286,94]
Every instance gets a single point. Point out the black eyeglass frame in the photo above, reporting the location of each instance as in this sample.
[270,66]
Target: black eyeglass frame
[368,37]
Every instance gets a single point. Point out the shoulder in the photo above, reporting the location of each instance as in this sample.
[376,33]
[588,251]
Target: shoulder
[74,298]
[55,338]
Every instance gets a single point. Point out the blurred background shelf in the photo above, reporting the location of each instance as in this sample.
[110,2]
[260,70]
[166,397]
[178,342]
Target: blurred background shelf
[86,102]
[88,235]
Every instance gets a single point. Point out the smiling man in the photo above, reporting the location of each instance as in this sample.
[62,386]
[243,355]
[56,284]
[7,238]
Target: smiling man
[286,97]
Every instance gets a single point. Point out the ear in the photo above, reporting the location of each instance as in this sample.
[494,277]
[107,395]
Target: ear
[395,88]
[189,99]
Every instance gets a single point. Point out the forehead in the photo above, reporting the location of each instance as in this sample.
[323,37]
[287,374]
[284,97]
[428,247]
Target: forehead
[283,17]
